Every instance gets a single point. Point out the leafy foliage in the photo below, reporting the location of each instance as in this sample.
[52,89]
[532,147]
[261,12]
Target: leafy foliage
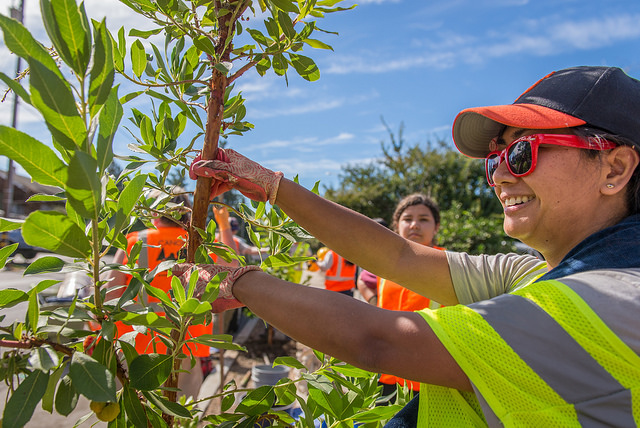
[189,83]
[471,219]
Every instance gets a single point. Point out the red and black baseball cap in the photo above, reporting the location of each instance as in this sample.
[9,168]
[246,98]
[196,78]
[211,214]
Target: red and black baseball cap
[601,97]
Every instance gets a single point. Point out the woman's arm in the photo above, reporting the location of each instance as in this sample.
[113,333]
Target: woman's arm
[226,235]
[399,343]
[368,294]
[368,244]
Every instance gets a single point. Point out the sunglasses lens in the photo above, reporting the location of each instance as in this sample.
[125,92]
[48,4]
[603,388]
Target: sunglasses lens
[491,164]
[520,158]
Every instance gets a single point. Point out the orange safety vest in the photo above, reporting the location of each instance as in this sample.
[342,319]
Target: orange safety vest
[162,244]
[397,298]
[341,275]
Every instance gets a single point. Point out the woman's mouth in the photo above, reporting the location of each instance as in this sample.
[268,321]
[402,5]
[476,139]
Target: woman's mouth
[517,200]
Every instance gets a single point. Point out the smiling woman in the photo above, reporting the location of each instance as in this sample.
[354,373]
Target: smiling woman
[522,342]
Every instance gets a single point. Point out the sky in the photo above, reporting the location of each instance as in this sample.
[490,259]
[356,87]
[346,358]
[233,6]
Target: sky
[415,63]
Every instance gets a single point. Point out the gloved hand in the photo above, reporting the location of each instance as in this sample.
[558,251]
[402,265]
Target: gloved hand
[225,300]
[231,170]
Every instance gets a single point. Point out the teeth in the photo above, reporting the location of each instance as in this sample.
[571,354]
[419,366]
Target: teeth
[517,200]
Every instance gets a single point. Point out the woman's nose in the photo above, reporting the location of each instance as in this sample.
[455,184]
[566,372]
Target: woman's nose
[502,173]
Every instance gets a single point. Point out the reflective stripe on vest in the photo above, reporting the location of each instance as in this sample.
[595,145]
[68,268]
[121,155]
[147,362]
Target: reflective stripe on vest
[513,375]
[339,276]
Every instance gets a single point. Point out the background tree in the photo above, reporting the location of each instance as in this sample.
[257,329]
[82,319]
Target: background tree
[471,214]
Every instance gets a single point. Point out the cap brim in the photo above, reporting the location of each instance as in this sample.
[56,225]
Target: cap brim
[474,128]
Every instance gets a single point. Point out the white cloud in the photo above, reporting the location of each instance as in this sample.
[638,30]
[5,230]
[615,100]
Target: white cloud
[310,107]
[541,38]
[309,167]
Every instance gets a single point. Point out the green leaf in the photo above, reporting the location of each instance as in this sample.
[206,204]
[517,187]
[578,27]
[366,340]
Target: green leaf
[102,70]
[23,401]
[11,297]
[305,67]
[83,187]
[109,120]
[138,58]
[289,362]
[178,290]
[158,294]
[223,67]
[92,379]
[104,352]
[317,44]
[52,96]
[73,36]
[57,233]
[283,260]
[43,285]
[378,413]
[5,252]
[205,45]
[286,5]
[134,409]
[258,401]
[66,397]
[41,197]
[148,372]
[284,20]
[279,64]
[20,41]
[40,162]
[258,37]
[212,341]
[149,319]
[44,358]
[127,200]
[193,281]
[44,264]
[168,407]
[194,306]
[7,225]
[33,312]
[47,400]
[144,34]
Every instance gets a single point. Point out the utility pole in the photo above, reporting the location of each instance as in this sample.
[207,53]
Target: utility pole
[17,14]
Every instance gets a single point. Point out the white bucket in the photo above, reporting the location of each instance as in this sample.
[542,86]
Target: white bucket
[262,375]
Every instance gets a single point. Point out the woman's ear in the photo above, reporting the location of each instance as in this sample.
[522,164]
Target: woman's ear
[620,163]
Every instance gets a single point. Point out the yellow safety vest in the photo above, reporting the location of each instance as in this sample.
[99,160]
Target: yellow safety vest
[485,346]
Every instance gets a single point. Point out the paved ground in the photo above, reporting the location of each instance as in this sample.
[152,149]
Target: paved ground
[11,277]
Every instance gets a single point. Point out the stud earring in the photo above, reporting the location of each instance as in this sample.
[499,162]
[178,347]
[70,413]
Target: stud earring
[610,186]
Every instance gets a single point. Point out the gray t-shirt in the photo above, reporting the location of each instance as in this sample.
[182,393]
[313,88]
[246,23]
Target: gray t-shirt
[477,278]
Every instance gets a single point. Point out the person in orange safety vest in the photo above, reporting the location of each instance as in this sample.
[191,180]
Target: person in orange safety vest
[417,218]
[166,242]
[339,273]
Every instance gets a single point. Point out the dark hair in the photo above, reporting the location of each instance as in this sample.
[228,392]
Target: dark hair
[381,222]
[633,186]
[411,200]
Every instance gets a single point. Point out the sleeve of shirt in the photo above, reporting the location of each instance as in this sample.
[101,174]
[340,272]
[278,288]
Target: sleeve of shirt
[477,278]
[326,262]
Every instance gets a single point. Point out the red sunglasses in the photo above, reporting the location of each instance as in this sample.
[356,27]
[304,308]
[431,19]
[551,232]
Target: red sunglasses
[522,154]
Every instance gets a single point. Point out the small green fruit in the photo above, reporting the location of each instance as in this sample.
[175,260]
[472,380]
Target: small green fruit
[109,412]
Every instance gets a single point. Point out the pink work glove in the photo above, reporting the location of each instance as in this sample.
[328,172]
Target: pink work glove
[225,300]
[231,170]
